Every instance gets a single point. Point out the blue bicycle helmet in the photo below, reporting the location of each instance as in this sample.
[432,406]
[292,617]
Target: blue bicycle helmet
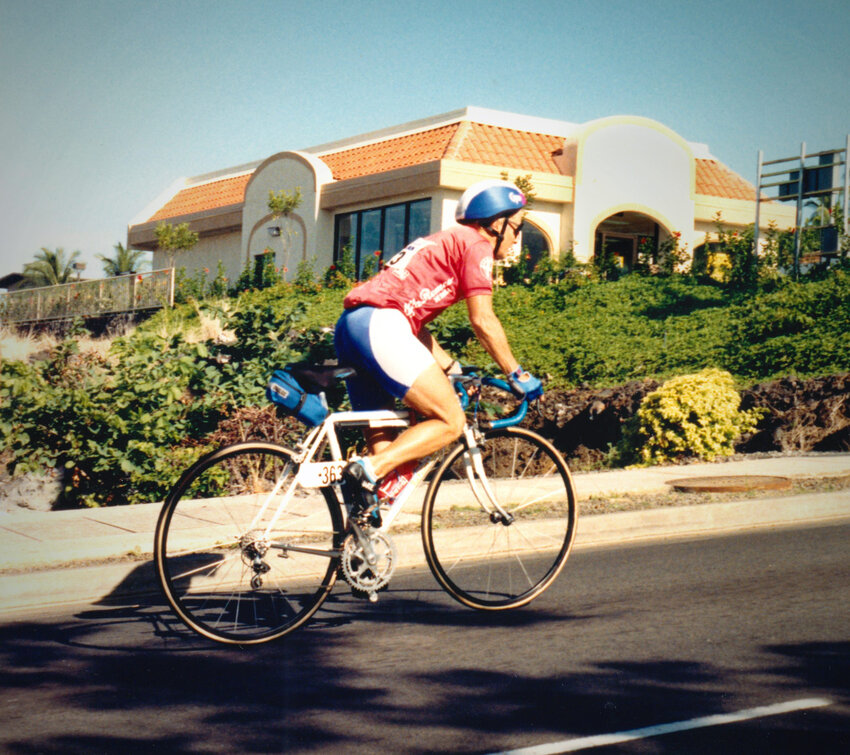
[488,200]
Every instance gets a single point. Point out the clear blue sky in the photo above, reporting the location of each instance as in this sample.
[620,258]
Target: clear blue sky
[104,103]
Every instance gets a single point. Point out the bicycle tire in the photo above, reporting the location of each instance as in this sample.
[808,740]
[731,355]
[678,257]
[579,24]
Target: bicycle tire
[208,547]
[488,565]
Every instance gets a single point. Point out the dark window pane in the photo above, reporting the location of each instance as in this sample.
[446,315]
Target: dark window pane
[394,239]
[346,234]
[385,230]
[370,238]
[534,243]
[420,219]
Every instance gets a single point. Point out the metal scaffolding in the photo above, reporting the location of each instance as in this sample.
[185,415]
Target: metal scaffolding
[802,180]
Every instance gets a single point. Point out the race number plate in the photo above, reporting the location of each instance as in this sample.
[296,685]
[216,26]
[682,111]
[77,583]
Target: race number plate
[320,474]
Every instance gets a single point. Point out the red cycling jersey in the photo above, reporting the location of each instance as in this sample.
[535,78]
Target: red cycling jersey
[429,275]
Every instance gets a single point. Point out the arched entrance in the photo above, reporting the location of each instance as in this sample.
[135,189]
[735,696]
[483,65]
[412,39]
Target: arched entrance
[623,234]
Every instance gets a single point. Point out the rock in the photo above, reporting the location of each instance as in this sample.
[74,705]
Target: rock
[32,491]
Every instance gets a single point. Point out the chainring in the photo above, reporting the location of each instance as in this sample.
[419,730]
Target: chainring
[355,569]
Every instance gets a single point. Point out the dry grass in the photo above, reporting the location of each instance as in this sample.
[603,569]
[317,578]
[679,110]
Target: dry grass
[209,328]
[21,347]
[16,347]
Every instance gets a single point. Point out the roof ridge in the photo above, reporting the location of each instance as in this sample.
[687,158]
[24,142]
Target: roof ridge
[460,134]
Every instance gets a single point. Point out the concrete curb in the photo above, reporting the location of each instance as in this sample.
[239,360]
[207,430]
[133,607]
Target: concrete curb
[125,580]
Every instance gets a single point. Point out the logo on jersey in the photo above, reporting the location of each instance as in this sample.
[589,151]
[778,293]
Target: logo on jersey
[428,295]
[486,267]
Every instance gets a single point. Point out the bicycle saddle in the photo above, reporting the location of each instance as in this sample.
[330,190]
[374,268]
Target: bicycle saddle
[318,377]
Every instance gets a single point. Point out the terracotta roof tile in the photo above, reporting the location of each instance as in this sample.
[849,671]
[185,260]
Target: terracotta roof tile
[494,145]
[716,180]
[400,152]
[207,196]
[465,141]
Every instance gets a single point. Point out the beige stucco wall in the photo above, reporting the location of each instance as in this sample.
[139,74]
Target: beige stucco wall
[206,255]
[631,164]
[304,232]
[737,214]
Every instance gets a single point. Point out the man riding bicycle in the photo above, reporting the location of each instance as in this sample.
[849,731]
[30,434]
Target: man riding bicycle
[382,333]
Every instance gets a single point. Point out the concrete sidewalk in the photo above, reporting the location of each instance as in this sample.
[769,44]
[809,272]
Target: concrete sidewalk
[51,557]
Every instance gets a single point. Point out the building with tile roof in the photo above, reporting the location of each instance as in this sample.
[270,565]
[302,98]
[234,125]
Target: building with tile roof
[611,181]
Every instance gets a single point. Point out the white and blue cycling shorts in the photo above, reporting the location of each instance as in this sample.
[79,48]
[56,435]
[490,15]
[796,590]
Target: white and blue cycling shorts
[388,357]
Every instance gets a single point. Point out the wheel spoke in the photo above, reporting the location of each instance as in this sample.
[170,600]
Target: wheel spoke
[491,565]
[226,572]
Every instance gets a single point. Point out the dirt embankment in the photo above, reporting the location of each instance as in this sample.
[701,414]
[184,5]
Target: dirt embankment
[802,415]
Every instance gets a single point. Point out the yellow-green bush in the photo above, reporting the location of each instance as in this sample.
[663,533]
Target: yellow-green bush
[692,415]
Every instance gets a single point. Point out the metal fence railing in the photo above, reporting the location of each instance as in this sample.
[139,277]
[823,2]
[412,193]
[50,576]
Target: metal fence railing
[124,293]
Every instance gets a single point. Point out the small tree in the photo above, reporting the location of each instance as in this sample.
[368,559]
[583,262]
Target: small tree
[671,256]
[524,184]
[282,204]
[604,263]
[174,238]
[50,268]
[124,261]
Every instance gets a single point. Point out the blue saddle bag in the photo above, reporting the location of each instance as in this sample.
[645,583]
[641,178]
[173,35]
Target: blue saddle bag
[285,392]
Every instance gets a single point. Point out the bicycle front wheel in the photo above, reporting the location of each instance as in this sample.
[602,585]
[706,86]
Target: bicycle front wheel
[243,555]
[480,559]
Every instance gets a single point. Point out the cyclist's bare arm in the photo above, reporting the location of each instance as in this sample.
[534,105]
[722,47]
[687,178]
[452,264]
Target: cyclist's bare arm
[490,332]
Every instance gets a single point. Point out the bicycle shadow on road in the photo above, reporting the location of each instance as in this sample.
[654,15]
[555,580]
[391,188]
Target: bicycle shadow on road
[138,597]
[110,685]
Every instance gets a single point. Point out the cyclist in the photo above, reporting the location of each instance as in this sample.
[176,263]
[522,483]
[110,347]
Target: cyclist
[382,333]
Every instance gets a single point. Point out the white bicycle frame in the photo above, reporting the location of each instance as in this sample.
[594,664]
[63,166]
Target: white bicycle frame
[321,474]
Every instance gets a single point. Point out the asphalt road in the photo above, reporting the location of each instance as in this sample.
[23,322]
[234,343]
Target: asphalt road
[628,637]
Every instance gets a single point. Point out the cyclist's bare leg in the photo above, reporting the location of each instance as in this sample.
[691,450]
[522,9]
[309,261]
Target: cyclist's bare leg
[378,438]
[433,397]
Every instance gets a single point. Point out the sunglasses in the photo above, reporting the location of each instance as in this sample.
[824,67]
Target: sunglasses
[516,228]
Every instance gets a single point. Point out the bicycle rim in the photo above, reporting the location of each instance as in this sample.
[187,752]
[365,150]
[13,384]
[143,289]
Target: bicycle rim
[490,565]
[226,574]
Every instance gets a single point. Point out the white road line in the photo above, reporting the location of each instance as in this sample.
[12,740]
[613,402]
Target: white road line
[601,740]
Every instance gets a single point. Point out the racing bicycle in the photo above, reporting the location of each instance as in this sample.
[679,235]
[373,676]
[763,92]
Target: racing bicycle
[252,538]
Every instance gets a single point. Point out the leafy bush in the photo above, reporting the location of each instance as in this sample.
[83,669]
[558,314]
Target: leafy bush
[117,426]
[798,328]
[342,273]
[692,415]
[124,426]
[198,287]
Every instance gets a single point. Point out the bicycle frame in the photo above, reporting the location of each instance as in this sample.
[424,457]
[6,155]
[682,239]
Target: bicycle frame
[322,474]
[220,525]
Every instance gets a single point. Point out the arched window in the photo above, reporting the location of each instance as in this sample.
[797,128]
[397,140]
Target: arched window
[534,242]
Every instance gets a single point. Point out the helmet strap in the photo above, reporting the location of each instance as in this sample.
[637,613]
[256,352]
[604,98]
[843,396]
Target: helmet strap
[498,235]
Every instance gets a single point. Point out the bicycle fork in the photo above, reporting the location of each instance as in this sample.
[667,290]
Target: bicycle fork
[474,468]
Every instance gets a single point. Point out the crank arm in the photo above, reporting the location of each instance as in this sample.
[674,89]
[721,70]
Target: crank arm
[368,550]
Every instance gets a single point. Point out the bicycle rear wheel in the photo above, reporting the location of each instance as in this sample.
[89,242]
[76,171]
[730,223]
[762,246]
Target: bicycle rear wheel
[480,561]
[229,571]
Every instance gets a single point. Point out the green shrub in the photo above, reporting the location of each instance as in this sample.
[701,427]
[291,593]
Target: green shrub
[124,426]
[692,415]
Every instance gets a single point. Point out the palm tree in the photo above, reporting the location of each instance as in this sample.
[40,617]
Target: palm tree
[125,261]
[822,210]
[50,267]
